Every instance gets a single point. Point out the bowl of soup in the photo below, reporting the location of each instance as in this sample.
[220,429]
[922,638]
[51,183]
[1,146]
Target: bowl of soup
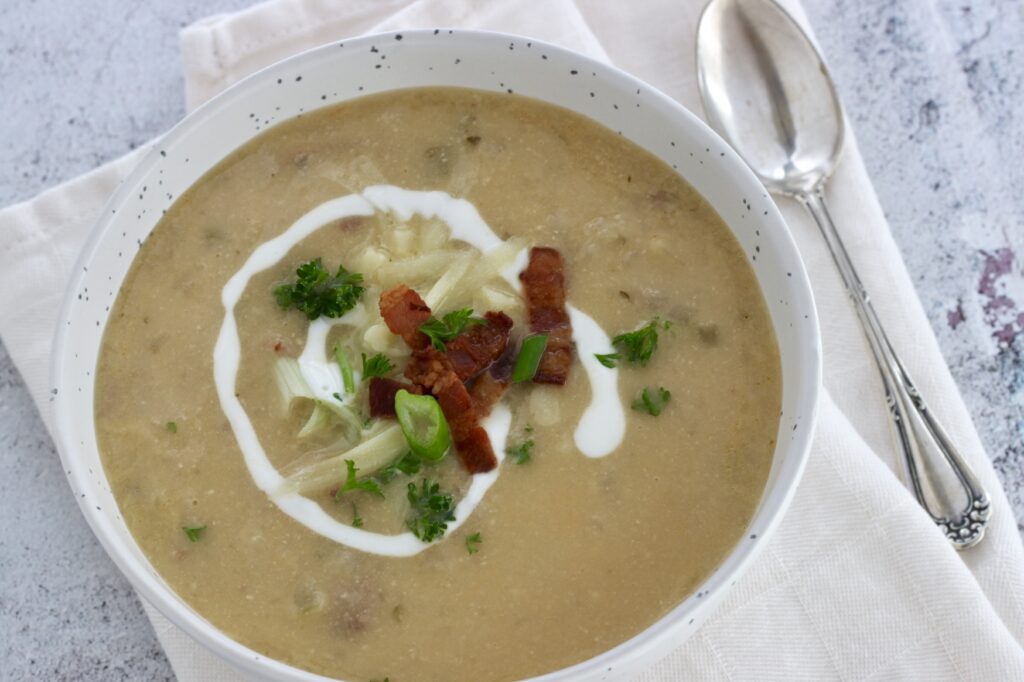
[437,355]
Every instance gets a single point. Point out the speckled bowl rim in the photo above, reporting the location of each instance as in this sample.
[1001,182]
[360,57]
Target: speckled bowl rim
[800,348]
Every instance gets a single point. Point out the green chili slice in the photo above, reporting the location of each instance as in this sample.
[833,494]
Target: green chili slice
[529,357]
[423,424]
[346,370]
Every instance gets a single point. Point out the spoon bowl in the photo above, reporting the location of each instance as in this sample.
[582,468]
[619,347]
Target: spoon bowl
[766,88]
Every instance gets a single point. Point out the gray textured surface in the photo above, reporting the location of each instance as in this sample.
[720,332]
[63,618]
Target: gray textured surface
[934,92]
[935,95]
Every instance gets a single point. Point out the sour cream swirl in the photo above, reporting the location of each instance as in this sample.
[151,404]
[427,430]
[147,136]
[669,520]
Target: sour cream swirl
[599,432]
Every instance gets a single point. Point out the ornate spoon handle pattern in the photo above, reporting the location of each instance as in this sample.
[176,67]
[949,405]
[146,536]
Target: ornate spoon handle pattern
[942,481]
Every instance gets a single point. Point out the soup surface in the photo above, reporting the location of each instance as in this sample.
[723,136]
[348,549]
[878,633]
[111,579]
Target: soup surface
[566,555]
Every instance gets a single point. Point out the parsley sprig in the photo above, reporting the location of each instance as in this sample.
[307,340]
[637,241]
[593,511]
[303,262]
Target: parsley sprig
[377,366]
[194,533]
[473,543]
[441,331]
[352,483]
[315,292]
[522,453]
[408,464]
[431,511]
[652,402]
[636,346]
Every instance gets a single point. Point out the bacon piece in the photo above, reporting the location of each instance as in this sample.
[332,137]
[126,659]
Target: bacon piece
[485,393]
[382,395]
[475,451]
[475,349]
[488,388]
[404,312]
[544,286]
[432,370]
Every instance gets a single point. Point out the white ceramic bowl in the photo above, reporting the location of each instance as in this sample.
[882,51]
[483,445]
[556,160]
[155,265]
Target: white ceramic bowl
[488,61]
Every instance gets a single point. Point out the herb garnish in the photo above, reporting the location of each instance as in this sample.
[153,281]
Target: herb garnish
[652,403]
[316,293]
[431,511]
[448,327]
[521,453]
[172,427]
[377,366]
[636,346]
[608,359]
[473,543]
[351,483]
[194,533]
[407,464]
[357,520]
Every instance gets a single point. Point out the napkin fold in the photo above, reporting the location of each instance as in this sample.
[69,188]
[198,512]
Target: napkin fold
[857,583]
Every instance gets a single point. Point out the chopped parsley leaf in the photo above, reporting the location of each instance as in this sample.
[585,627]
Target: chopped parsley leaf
[172,427]
[473,543]
[431,511]
[377,366]
[407,464]
[608,359]
[194,533]
[448,327]
[337,396]
[521,453]
[652,403]
[351,483]
[357,520]
[315,292]
[528,428]
[639,345]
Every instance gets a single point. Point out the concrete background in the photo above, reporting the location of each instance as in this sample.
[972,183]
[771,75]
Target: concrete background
[934,91]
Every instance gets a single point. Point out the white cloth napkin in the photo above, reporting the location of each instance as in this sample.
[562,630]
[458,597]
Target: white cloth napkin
[857,583]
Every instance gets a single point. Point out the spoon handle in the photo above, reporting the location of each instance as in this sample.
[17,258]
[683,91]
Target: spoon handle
[942,481]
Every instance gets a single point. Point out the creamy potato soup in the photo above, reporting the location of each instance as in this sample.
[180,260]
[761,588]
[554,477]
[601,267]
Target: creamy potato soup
[438,385]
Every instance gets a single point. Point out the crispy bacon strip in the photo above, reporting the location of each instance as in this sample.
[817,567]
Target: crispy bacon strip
[382,395]
[404,312]
[432,370]
[544,285]
[485,393]
[488,388]
[475,349]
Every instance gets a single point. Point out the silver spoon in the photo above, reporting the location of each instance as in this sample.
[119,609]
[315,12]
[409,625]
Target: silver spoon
[767,91]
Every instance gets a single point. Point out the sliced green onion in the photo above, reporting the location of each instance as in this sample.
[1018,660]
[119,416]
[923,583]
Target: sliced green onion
[323,468]
[529,357]
[346,370]
[423,425]
[319,419]
[290,381]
